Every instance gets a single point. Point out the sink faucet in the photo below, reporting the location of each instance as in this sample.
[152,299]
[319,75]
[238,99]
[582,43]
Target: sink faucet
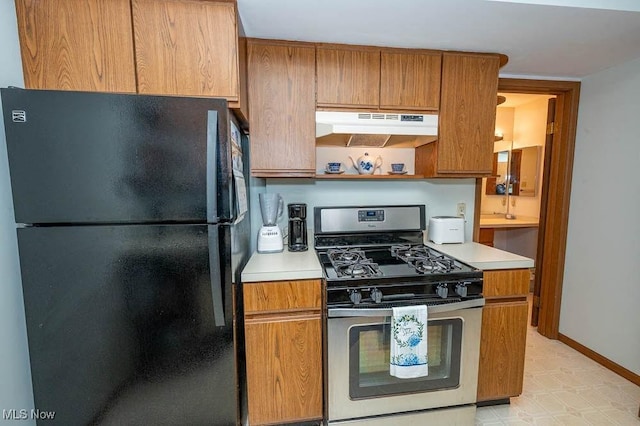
[509,215]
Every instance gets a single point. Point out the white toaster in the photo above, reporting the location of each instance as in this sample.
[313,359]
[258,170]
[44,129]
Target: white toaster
[446,229]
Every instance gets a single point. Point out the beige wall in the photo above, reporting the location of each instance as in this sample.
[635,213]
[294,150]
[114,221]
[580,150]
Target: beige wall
[504,124]
[522,126]
[601,286]
[529,129]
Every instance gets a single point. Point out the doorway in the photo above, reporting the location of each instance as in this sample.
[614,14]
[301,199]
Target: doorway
[555,190]
[511,197]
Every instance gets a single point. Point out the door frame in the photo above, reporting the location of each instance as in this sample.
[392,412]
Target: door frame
[555,218]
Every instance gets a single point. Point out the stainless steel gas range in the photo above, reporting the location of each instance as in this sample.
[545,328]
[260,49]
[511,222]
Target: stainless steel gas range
[374,260]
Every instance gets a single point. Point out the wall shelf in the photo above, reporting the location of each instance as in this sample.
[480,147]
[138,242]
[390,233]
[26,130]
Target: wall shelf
[385,176]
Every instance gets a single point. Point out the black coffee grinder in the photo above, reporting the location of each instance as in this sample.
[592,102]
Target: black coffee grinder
[297,227]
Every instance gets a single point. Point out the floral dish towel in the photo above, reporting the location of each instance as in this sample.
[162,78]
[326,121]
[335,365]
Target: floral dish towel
[409,342]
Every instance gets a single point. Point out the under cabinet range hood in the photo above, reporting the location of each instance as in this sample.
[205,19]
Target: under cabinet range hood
[375,129]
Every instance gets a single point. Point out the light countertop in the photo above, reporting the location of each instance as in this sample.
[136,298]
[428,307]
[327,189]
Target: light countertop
[305,265]
[499,221]
[483,257]
[286,265]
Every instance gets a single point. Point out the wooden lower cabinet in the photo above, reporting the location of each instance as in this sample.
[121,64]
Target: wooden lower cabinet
[502,347]
[504,334]
[284,360]
[283,344]
[486,236]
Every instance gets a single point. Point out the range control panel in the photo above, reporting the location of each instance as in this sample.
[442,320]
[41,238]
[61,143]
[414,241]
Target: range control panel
[370,215]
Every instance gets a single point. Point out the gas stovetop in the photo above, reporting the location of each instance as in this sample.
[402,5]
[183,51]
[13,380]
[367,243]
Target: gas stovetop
[397,275]
[374,256]
[413,262]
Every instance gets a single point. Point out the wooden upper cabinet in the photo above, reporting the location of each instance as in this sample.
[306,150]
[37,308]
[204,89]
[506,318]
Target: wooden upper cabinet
[377,78]
[186,48]
[84,45]
[410,80]
[467,113]
[282,108]
[348,77]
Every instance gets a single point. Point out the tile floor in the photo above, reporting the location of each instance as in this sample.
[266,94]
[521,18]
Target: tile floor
[564,387]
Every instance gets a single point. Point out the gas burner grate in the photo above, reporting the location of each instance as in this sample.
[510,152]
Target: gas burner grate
[346,256]
[424,259]
[353,263]
[362,269]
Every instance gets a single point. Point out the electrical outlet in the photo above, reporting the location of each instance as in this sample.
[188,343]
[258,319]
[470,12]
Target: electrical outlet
[462,209]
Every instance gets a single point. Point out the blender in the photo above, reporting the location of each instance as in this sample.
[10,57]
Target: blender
[270,235]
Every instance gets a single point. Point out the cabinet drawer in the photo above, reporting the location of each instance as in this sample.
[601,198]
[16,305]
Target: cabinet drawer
[279,296]
[512,282]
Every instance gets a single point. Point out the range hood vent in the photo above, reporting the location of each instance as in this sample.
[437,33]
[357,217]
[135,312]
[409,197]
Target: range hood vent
[375,129]
[368,140]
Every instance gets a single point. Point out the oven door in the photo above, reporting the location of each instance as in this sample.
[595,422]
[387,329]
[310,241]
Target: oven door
[359,383]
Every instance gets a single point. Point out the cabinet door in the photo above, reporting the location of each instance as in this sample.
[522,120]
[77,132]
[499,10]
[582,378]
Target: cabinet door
[486,236]
[348,77]
[502,347]
[186,48]
[83,45]
[410,80]
[467,113]
[284,369]
[282,108]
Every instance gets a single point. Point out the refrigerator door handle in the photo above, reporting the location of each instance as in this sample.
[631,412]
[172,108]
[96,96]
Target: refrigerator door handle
[215,276]
[212,167]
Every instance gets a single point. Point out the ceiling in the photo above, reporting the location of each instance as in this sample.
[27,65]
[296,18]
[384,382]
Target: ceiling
[566,39]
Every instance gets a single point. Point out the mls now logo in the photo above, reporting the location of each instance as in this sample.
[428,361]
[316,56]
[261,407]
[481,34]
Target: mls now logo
[24,414]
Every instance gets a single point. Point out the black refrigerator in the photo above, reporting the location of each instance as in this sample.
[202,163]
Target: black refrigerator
[132,228]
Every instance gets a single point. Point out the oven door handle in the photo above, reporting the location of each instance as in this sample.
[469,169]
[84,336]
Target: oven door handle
[387,312]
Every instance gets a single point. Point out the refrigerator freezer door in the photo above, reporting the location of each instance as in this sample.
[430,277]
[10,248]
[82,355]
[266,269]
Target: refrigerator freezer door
[78,157]
[121,324]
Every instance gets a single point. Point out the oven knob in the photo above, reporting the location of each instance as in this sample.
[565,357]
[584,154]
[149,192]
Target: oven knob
[355,296]
[461,289]
[376,295]
[442,290]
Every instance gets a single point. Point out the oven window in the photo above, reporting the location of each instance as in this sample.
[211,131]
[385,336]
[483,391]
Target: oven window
[369,360]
